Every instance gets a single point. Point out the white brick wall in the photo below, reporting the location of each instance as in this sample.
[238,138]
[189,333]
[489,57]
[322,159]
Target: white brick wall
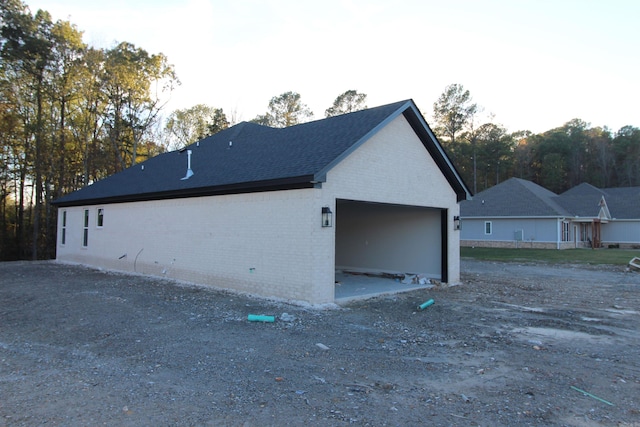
[260,243]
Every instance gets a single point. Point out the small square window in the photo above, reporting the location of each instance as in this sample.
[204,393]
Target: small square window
[100,217]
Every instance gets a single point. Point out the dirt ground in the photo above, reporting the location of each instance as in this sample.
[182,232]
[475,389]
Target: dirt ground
[514,344]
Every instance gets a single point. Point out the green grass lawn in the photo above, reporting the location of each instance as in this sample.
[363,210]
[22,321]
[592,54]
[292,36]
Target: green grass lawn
[568,256]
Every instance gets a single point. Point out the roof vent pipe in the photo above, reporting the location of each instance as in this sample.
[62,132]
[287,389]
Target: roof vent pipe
[189,171]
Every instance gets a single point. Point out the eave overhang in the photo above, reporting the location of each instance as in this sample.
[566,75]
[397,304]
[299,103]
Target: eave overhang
[294,183]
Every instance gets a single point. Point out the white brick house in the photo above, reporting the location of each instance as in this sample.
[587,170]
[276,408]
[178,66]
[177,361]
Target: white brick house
[248,218]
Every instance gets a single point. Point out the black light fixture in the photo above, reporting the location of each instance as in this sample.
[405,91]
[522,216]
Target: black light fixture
[456,222]
[327,217]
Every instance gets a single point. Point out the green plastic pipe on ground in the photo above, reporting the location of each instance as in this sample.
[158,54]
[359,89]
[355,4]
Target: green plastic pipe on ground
[425,304]
[260,318]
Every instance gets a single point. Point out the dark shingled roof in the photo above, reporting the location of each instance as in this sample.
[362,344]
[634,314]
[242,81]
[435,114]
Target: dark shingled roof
[623,202]
[249,157]
[519,197]
[513,197]
[582,190]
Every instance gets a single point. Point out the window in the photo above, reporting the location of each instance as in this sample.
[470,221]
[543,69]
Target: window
[100,217]
[63,237]
[565,232]
[85,229]
[584,232]
[487,227]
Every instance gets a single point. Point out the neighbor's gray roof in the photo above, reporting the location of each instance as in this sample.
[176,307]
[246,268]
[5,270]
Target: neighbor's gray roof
[584,199]
[249,157]
[511,198]
[521,198]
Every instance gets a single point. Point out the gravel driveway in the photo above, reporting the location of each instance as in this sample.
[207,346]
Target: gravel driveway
[512,345]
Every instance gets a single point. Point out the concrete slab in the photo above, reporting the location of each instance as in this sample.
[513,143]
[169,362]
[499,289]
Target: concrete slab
[350,287]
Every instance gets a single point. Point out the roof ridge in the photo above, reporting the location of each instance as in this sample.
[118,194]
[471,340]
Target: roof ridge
[544,195]
[347,115]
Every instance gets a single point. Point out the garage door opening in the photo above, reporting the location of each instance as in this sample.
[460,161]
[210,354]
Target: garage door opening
[378,244]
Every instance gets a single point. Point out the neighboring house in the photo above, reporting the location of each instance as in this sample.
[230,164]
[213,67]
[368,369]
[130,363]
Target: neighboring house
[520,213]
[613,212]
[275,212]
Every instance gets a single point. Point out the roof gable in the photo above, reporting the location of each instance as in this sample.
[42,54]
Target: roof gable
[585,200]
[604,209]
[249,157]
[623,202]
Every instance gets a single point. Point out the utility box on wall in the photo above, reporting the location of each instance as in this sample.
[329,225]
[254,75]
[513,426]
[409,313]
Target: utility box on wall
[518,235]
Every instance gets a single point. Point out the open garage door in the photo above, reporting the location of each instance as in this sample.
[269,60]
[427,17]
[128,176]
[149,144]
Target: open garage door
[386,238]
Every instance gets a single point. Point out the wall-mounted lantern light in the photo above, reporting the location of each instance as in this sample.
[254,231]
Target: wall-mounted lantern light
[456,222]
[327,217]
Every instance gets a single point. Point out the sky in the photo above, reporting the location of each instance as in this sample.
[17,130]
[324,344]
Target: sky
[530,64]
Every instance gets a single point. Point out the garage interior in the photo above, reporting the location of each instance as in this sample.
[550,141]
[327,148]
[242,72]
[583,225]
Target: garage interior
[378,245]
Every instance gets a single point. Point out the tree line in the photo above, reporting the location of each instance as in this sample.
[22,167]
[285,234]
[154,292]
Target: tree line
[558,159]
[72,114]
